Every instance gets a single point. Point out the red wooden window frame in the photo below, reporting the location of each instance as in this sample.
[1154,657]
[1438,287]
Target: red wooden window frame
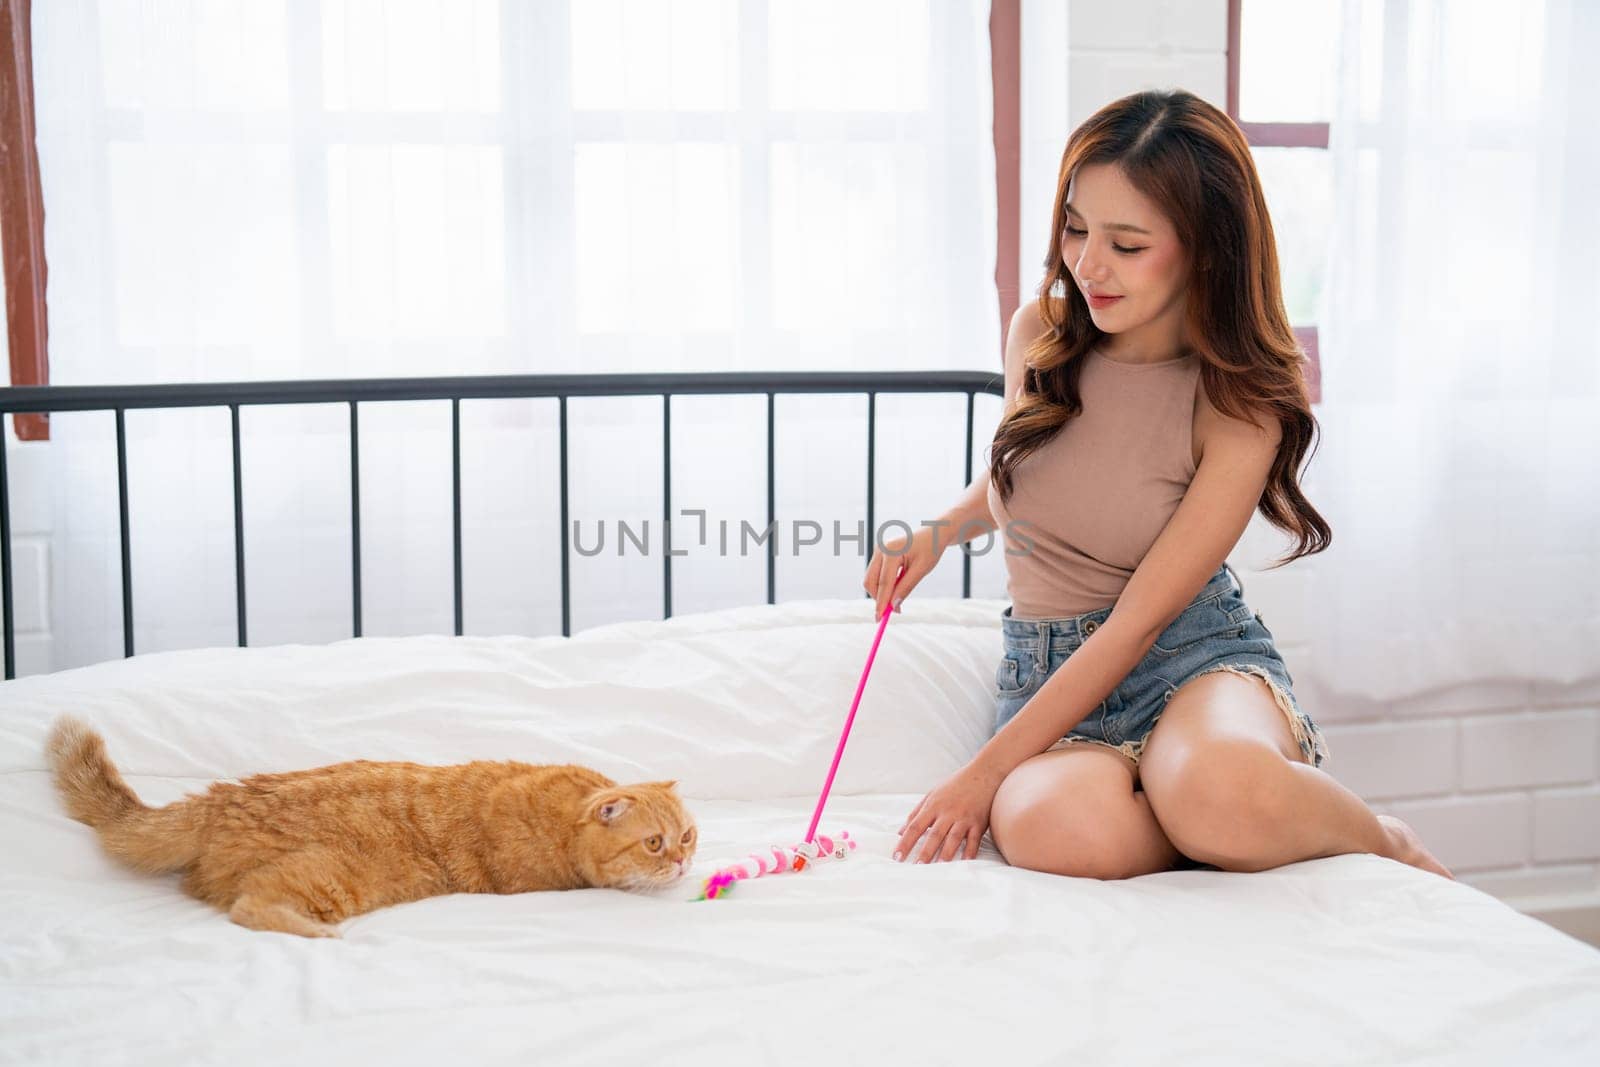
[1005,52]
[22,214]
[1277,135]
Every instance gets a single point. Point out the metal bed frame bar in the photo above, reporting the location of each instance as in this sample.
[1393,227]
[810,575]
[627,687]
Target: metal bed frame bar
[355,391]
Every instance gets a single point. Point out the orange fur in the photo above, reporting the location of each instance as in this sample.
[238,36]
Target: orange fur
[300,852]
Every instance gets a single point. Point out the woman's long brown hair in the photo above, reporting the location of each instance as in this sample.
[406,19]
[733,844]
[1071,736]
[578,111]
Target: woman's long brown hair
[1191,159]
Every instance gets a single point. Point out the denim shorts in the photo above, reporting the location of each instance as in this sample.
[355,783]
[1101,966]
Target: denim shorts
[1216,632]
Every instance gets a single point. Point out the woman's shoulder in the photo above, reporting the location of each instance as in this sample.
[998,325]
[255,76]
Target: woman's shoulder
[1212,422]
[1027,320]
[1026,327]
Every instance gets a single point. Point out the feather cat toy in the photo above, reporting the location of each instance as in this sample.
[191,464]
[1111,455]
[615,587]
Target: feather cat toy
[802,856]
[776,861]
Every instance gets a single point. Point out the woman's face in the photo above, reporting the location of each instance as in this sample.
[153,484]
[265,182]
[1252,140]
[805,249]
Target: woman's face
[1118,244]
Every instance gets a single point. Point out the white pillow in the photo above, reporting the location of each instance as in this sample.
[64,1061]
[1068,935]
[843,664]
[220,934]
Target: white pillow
[746,702]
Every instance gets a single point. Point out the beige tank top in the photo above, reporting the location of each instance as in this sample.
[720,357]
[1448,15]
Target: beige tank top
[1087,505]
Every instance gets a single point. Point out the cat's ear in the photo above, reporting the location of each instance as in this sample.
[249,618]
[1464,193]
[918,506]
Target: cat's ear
[665,785]
[606,805]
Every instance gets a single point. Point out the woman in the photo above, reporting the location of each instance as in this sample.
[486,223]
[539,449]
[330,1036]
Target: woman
[1154,400]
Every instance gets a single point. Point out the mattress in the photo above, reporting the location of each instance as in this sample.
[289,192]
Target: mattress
[1350,959]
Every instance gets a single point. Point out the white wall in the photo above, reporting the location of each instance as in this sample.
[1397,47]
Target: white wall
[1502,781]
[30,551]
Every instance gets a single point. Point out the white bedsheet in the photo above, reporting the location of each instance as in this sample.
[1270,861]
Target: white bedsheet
[1352,959]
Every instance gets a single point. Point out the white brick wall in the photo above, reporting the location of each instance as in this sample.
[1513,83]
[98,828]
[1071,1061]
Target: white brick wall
[30,552]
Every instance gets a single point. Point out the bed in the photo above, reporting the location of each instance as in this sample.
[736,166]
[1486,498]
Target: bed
[1351,959]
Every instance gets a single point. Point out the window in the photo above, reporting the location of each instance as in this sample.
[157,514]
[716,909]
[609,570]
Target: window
[665,151]
[1282,58]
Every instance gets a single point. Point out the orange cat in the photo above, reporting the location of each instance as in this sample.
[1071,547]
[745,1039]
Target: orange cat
[301,851]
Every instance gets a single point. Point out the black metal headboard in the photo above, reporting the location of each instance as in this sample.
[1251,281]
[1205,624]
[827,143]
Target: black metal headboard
[355,391]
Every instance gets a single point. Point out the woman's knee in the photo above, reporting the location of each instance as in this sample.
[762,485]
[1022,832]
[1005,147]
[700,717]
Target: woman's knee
[1077,854]
[1086,832]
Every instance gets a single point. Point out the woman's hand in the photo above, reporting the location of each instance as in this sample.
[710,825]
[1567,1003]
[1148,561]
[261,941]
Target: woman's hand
[954,816]
[919,554]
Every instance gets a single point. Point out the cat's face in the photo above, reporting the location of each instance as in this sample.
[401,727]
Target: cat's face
[639,836]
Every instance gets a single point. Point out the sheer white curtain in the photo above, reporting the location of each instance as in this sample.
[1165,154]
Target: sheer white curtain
[264,190]
[1460,462]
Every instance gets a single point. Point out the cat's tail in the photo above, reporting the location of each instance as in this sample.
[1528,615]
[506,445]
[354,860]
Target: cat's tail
[149,839]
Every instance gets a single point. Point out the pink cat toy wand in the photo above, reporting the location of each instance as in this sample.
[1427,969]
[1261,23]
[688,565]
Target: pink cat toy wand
[801,856]
[844,735]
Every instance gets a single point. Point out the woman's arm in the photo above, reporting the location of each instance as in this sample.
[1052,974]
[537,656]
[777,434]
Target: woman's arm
[970,516]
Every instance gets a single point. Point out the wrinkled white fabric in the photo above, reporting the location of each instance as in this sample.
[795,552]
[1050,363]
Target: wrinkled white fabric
[1351,959]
